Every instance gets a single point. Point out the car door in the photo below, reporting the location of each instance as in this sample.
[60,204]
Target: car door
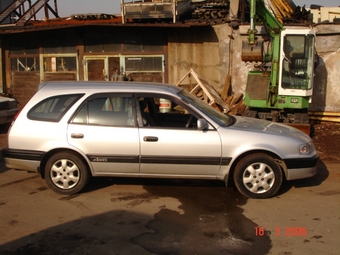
[105,130]
[172,145]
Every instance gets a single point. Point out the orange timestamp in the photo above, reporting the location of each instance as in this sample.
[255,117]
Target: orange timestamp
[288,231]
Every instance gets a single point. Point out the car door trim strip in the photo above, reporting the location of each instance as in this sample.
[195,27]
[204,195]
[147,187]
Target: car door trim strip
[184,160]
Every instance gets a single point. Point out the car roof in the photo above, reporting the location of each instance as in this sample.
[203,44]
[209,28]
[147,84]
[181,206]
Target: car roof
[106,86]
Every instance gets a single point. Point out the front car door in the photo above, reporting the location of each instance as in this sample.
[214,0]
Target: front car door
[171,144]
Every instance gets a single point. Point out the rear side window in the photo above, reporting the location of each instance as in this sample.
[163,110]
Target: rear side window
[107,110]
[53,108]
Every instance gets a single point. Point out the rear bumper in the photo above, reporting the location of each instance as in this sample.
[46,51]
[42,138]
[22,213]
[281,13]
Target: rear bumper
[301,168]
[22,159]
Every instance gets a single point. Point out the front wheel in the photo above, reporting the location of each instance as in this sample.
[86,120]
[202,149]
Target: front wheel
[258,176]
[66,173]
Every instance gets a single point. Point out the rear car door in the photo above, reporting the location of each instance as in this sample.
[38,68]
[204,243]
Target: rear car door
[171,144]
[104,129]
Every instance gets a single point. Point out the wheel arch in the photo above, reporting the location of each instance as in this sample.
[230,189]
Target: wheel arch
[277,158]
[54,151]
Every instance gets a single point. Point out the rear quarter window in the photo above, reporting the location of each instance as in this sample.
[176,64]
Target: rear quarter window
[53,108]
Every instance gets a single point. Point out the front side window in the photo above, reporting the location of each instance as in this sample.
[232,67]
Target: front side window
[219,117]
[107,110]
[165,112]
[53,108]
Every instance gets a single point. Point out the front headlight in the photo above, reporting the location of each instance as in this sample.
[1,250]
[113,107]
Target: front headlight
[306,148]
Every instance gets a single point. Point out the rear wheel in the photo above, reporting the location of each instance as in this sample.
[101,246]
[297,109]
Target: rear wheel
[66,173]
[258,176]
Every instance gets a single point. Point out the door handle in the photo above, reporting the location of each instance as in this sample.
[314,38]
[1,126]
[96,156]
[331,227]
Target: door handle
[150,139]
[77,135]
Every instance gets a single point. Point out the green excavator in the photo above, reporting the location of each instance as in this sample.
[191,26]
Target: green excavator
[281,87]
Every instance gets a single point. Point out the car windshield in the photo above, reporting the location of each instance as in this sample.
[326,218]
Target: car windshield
[217,116]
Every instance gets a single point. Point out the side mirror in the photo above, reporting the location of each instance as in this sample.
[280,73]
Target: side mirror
[202,124]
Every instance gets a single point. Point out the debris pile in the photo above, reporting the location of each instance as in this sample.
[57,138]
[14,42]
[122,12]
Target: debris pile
[93,16]
[226,101]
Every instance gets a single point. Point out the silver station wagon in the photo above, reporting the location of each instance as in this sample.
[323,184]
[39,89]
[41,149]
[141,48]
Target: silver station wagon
[72,131]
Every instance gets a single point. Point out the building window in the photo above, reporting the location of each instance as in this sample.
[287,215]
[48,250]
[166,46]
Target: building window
[153,44]
[60,64]
[25,64]
[19,46]
[59,45]
[100,45]
[111,44]
[144,64]
[145,43]
[133,44]
[24,55]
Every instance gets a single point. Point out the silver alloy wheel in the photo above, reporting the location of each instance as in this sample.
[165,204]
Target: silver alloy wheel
[258,178]
[65,174]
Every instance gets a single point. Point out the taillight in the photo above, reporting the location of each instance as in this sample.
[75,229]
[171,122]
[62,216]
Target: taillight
[17,114]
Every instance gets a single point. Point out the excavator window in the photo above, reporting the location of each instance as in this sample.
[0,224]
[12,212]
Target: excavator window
[297,70]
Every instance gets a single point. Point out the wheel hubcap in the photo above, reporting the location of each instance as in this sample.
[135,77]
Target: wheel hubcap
[65,174]
[258,178]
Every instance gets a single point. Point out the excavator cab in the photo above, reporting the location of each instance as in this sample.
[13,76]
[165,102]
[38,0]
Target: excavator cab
[297,62]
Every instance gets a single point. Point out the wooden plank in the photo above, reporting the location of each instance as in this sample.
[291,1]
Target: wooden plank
[226,88]
[236,98]
[238,108]
[210,91]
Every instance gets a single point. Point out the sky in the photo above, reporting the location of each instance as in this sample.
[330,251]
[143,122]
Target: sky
[69,7]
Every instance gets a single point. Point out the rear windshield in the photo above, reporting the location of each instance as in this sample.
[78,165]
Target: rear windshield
[53,108]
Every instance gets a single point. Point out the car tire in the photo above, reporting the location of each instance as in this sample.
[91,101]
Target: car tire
[66,173]
[258,176]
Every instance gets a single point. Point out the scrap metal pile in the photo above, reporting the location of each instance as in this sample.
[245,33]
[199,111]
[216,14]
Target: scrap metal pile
[284,10]
[287,12]
[210,9]
[92,16]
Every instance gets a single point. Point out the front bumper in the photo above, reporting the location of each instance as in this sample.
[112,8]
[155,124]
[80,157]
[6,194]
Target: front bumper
[301,168]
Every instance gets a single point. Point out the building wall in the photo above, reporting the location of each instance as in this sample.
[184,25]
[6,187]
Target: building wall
[327,76]
[325,14]
[203,49]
